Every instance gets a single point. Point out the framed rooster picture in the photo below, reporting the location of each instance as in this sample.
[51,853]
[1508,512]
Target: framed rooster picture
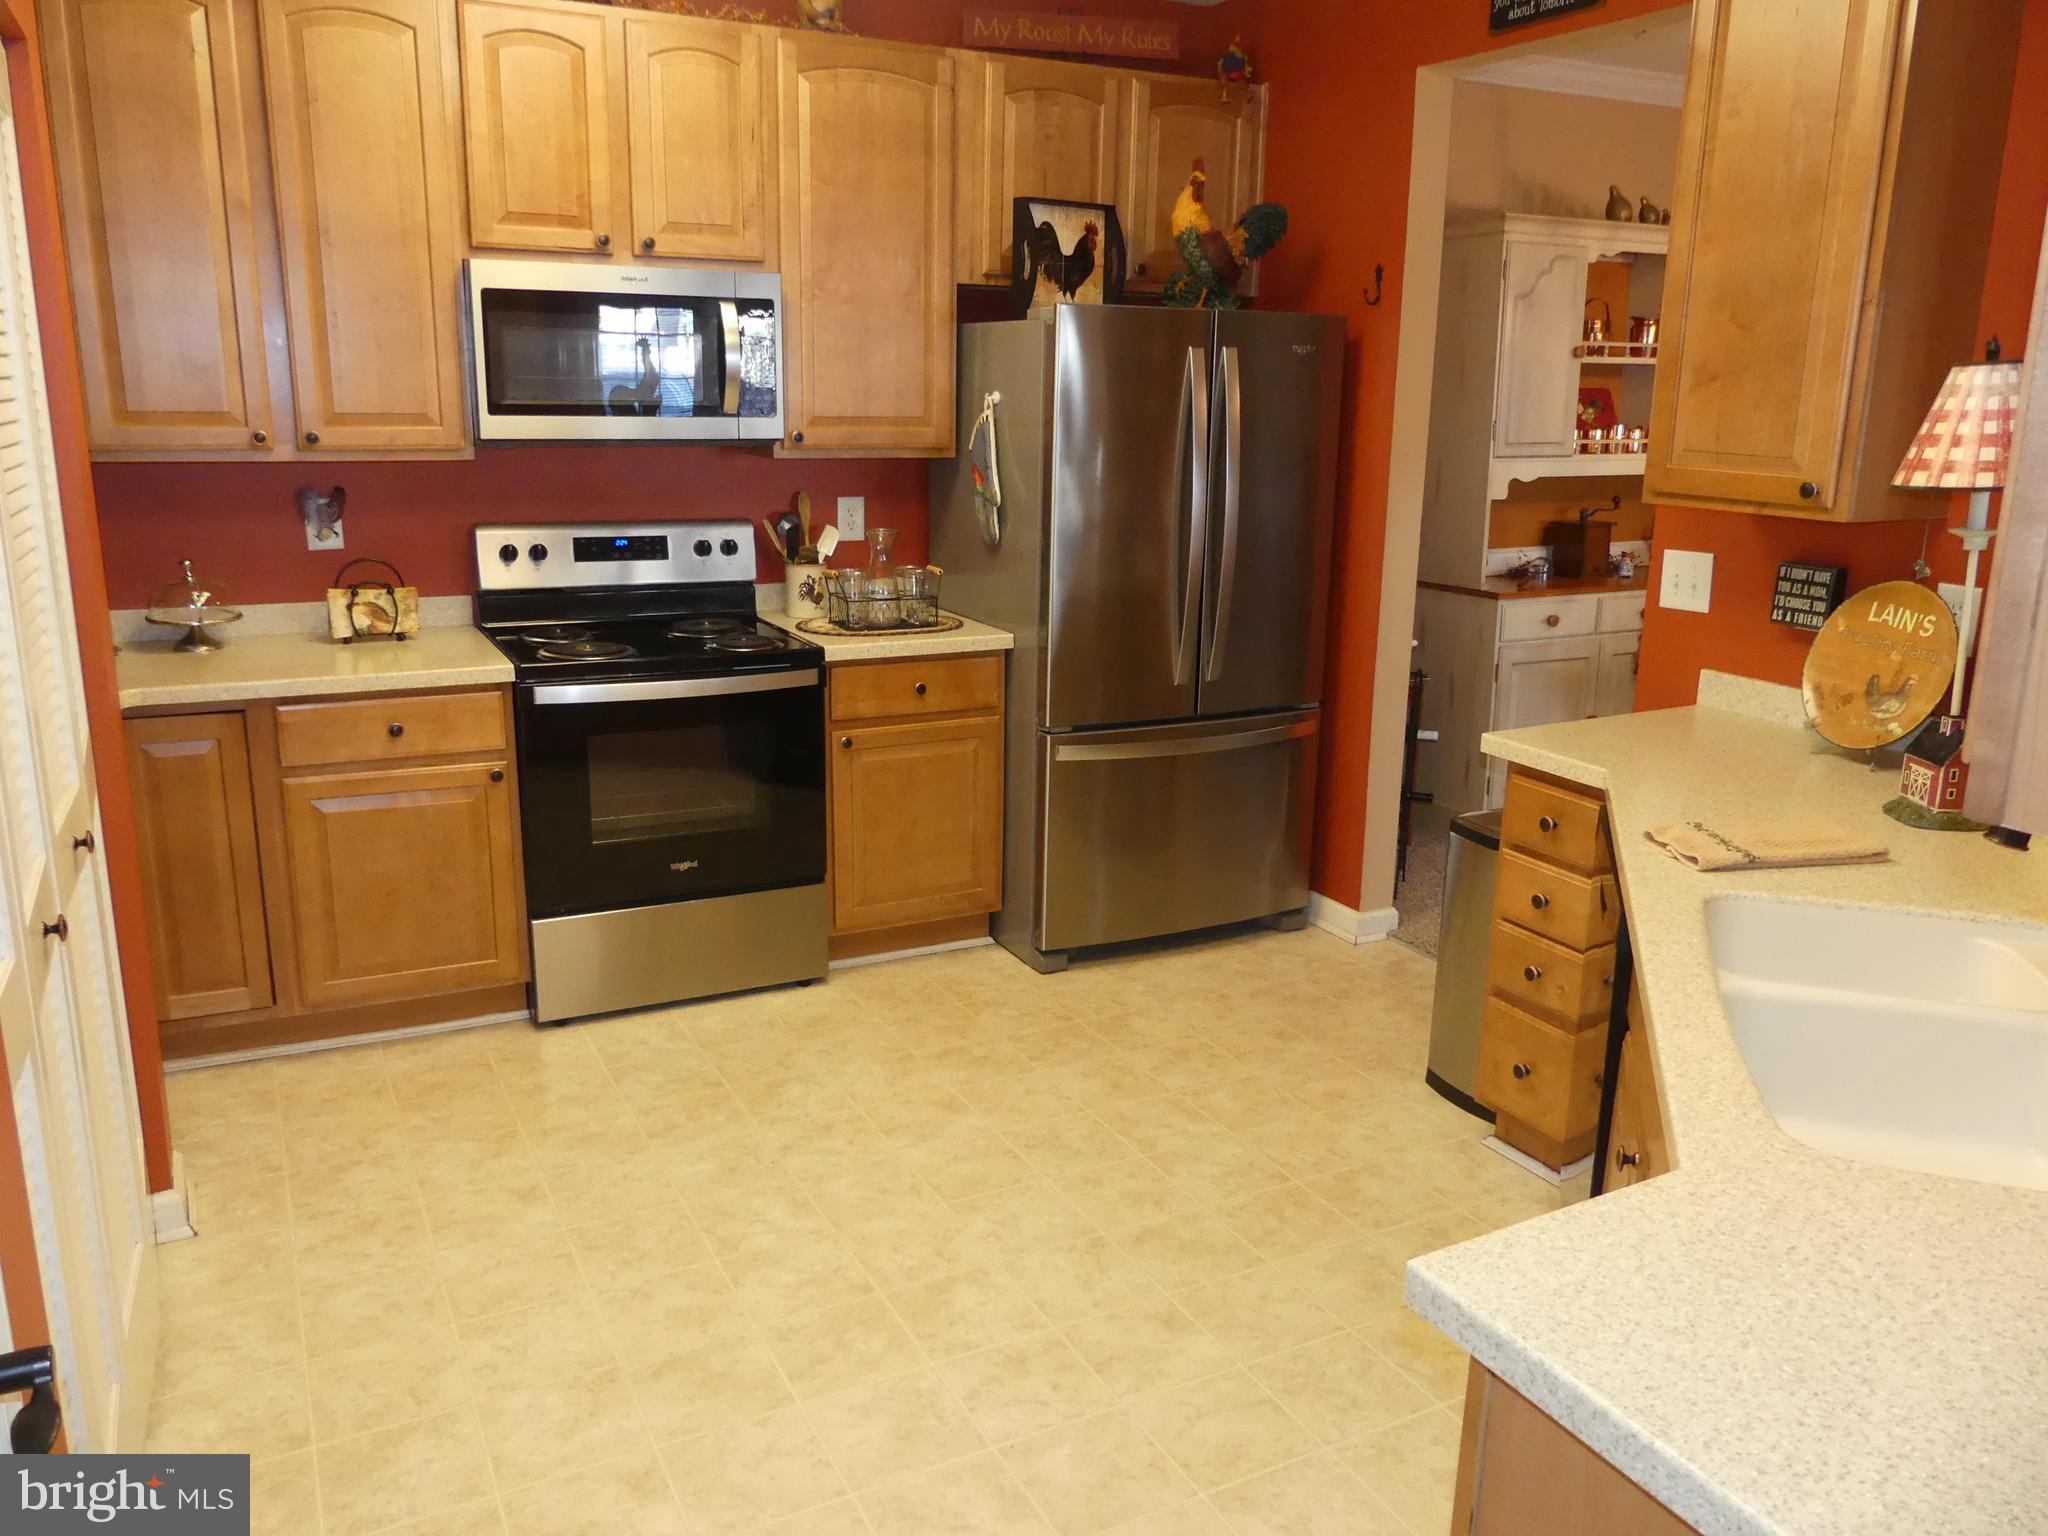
[1067,253]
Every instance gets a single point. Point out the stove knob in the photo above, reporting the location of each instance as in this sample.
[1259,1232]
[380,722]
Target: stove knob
[508,553]
[702,548]
[538,552]
[728,547]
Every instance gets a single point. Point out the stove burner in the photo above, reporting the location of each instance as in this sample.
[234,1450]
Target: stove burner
[543,634]
[746,641]
[701,628]
[583,650]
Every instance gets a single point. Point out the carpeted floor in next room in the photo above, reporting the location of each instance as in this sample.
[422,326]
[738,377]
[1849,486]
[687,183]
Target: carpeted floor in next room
[938,1246]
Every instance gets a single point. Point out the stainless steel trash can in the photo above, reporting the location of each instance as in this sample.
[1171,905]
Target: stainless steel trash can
[1460,1004]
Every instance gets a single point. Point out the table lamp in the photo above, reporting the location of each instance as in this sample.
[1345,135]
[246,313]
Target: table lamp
[1964,445]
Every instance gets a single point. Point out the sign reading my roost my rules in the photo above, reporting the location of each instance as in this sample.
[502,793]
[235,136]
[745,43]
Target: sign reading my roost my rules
[1122,37]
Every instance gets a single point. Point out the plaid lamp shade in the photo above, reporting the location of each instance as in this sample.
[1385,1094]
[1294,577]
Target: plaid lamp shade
[1967,436]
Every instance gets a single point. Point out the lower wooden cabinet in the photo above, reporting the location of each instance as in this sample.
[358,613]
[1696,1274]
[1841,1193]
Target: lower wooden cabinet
[195,813]
[405,882]
[916,793]
[1637,1148]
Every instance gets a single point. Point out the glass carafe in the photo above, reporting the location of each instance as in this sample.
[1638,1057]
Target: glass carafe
[881,584]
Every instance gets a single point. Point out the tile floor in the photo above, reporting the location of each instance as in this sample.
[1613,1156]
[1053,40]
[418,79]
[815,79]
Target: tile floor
[940,1246]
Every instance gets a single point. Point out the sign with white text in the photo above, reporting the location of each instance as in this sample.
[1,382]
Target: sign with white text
[1119,37]
[1503,14]
[167,1495]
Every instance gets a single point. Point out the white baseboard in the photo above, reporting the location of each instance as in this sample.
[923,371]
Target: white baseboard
[1348,923]
[370,1037]
[851,961]
[171,1209]
[1542,1171]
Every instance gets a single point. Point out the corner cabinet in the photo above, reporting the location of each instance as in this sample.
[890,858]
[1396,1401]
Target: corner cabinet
[1833,204]
[867,239]
[1172,124]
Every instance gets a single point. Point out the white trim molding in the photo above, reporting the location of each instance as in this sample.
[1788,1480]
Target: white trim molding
[1348,923]
[171,1209]
[1580,77]
[851,962]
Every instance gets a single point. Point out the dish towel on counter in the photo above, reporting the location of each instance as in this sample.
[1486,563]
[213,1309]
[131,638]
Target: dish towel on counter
[1764,844]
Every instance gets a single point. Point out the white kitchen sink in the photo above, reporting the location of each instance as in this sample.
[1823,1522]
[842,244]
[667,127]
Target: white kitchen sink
[1913,1041]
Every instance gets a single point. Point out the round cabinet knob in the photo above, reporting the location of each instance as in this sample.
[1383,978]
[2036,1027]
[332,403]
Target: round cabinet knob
[647,242]
[312,438]
[508,553]
[1532,973]
[796,437]
[1140,269]
[1808,490]
[1539,901]
[497,775]
[1523,1069]
[846,741]
[1546,823]
[60,930]
[394,730]
[701,549]
[1553,619]
[85,842]
[604,242]
[536,553]
[1623,1159]
[259,437]
[918,690]
[728,547]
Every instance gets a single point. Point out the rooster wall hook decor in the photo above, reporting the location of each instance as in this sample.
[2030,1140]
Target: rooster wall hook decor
[1379,281]
[1215,259]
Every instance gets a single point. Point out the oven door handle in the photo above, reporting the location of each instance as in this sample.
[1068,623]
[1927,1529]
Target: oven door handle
[671,688]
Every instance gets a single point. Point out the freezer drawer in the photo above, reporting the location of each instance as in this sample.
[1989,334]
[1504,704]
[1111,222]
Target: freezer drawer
[1171,828]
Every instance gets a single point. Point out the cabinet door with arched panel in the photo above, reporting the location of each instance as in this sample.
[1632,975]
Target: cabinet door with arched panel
[1030,128]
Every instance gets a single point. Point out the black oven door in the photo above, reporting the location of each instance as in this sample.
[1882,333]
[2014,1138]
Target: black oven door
[633,793]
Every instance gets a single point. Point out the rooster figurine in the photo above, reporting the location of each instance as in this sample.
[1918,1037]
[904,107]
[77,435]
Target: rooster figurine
[1216,260]
[1234,67]
[1065,270]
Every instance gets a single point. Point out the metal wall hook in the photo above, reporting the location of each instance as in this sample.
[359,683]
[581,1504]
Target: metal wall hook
[35,1426]
[1379,279]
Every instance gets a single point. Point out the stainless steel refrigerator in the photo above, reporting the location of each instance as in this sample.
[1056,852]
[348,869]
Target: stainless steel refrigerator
[1168,482]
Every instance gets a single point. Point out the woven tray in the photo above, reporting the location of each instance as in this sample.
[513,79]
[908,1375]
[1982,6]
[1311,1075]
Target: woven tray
[827,627]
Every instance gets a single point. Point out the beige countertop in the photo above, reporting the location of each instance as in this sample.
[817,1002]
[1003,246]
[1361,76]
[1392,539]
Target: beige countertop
[281,666]
[1767,1338]
[970,638]
[1557,586]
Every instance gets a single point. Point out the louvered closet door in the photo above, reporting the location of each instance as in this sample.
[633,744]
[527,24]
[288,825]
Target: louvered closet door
[61,1015]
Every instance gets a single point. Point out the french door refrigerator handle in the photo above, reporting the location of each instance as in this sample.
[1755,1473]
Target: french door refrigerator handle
[1195,394]
[1233,488]
[1188,746]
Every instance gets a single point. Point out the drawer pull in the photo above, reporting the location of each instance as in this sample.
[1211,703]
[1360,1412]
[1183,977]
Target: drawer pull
[604,242]
[845,741]
[1532,973]
[1553,619]
[1546,823]
[394,730]
[1539,901]
[918,690]
[85,842]
[60,930]
[1623,1159]
[1523,1069]
[647,242]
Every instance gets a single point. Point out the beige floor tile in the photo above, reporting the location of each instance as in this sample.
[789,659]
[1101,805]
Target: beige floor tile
[385,1381]
[535,1430]
[612,1188]
[218,1269]
[829,1141]
[209,1346]
[627,1497]
[1194,1518]
[1188,1249]
[1348,1279]
[1022,1219]
[486,1517]
[737,1212]
[505,1272]
[557,1337]
[471,1202]
[1025,1386]
[1412,1467]
[823,1350]
[691,1389]
[1069,1145]
[230,1200]
[746,1475]
[1216,1167]
[973,1165]
[1239,1103]
[1149,1124]
[799,1273]
[353,1239]
[978,1495]
[1432,1360]
[1257,1313]
[1146,1346]
[890,1429]
[634,1250]
[1312,1497]
[1069,1281]
[1340,1387]
[1395,1246]
[1222,1428]
[1123,1194]
[872,1189]
[842,1517]
[397,1304]
[284,1496]
[958,1314]
[402,1472]
[924,1245]
[1097,1473]
[1377,1195]
[262,1414]
[1285,1220]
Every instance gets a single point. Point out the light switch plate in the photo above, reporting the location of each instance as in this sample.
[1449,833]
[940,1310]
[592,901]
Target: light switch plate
[852,518]
[1688,580]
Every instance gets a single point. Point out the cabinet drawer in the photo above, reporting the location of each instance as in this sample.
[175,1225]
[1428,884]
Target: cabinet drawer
[1578,911]
[1621,614]
[1547,1078]
[397,725]
[1534,618]
[945,685]
[1574,987]
[1566,826]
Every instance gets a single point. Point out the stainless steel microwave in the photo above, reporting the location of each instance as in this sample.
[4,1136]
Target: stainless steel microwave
[578,352]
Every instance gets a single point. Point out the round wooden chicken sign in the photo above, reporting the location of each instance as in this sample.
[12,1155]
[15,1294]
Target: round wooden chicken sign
[1880,665]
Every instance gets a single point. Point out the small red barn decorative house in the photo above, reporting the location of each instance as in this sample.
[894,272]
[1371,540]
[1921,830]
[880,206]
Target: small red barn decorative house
[1934,771]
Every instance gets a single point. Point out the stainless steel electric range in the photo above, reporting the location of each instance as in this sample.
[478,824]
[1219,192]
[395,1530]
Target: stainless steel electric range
[671,763]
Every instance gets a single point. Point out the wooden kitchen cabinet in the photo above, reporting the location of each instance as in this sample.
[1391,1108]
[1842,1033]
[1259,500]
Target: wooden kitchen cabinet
[1173,123]
[538,116]
[1832,207]
[195,822]
[1637,1148]
[702,132]
[1543,681]
[1614,688]
[1536,393]
[866,141]
[1030,128]
[365,143]
[155,144]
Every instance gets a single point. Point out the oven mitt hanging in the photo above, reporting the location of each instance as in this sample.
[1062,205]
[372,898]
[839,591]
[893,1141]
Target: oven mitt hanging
[987,473]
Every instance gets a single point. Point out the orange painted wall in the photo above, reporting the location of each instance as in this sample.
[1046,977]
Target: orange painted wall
[1341,123]
[1737,635]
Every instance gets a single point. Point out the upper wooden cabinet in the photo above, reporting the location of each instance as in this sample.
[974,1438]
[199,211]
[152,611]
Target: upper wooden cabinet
[153,141]
[867,235]
[1030,128]
[1833,205]
[364,136]
[702,139]
[1174,123]
[538,115]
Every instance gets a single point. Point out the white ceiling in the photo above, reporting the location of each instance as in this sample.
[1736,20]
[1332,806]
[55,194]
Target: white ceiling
[1642,60]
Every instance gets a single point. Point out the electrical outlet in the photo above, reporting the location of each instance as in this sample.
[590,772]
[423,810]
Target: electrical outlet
[1688,580]
[1952,594]
[852,518]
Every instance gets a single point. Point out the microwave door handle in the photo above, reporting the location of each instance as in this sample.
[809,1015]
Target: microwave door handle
[1195,466]
[729,359]
[1233,488]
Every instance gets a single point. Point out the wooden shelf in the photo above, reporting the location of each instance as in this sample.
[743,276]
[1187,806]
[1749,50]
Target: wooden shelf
[1584,466]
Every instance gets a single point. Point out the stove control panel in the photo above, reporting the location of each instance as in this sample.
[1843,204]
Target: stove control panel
[514,557]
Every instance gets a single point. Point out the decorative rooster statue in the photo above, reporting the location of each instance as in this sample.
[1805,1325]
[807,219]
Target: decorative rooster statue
[1216,260]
